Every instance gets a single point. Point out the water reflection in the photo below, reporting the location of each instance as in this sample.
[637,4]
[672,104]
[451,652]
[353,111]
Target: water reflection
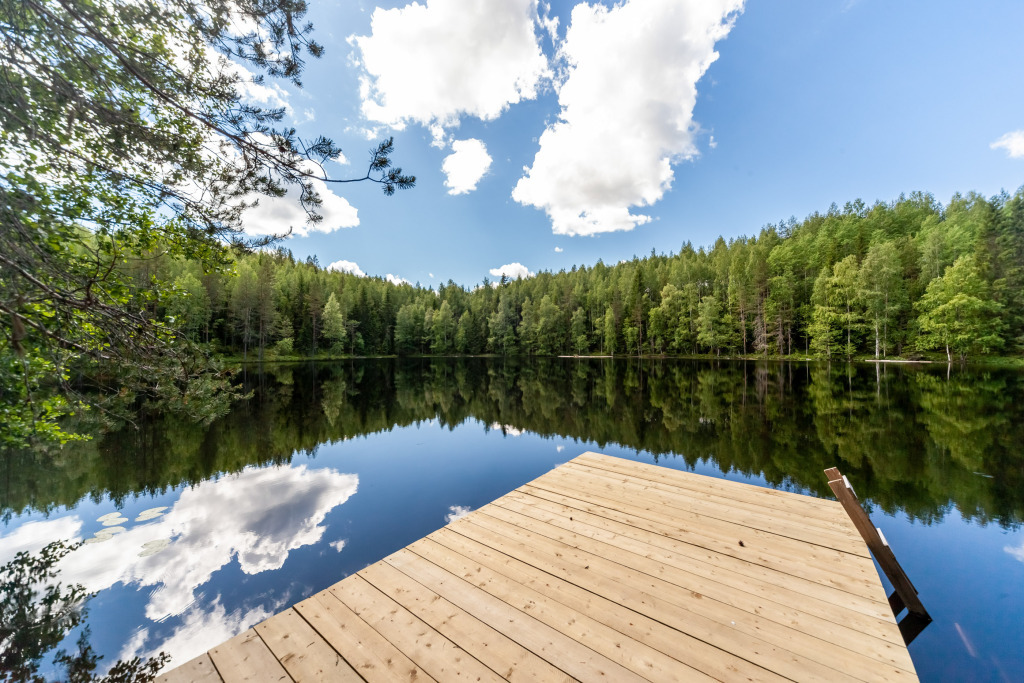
[1016,553]
[255,517]
[199,626]
[456,512]
[226,525]
[915,438]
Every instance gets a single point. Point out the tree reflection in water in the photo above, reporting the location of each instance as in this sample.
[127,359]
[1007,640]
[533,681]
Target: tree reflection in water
[914,438]
[37,612]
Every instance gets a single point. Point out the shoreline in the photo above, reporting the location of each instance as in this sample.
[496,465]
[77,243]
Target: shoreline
[1010,361]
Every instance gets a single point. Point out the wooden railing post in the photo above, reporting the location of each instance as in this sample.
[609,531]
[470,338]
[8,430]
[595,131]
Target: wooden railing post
[904,595]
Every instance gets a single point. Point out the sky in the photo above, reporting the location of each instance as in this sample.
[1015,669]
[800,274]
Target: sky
[550,135]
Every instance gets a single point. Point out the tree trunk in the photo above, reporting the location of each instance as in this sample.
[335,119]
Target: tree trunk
[849,346]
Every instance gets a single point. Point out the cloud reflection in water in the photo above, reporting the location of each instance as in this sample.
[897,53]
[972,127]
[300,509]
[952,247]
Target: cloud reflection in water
[257,516]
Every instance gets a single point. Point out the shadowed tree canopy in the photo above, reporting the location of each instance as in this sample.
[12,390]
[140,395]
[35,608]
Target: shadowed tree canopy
[124,133]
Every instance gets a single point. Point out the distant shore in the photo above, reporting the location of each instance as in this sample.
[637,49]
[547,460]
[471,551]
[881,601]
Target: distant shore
[1014,361]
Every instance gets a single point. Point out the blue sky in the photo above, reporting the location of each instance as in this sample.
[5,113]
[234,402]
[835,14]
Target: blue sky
[651,139]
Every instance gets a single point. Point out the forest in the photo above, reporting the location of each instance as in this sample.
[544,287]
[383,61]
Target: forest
[889,280]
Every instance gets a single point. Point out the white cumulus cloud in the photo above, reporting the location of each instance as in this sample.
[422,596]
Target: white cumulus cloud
[559,250]
[626,110]
[434,62]
[275,215]
[1013,143]
[266,94]
[395,280]
[512,270]
[465,166]
[344,266]
[347,267]
[278,215]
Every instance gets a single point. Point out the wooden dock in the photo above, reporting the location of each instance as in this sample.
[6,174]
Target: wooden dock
[601,569]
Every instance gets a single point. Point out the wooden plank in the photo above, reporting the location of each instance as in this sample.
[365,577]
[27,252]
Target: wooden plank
[789,524]
[656,506]
[438,656]
[247,658]
[680,654]
[618,586]
[694,653]
[636,656]
[766,617]
[665,535]
[876,543]
[199,669]
[788,607]
[301,650]
[369,653]
[623,490]
[822,510]
[841,570]
[570,656]
[813,512]
[867,615]
[784,644]
[819,508]
[500,653]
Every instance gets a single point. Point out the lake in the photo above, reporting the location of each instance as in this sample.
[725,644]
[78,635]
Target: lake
[195,533]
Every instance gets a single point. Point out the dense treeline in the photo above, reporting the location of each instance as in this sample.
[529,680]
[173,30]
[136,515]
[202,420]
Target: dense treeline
[885,280]
[945,436]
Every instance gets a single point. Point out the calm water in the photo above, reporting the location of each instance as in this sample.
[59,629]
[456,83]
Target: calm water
[329,468]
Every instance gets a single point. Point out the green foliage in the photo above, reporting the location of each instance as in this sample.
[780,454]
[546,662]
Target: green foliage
[502,327]
[125,144]
[610,335]
[443,330]
[711,327]
[845,280]
[27,410]
[844,284]
[285,346]
[839,285]
[578,330]
[188,308]
[882,292]
[334,320]
[409,329]
[957,313]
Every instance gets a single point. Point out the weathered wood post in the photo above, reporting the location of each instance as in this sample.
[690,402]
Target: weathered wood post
[905,594]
